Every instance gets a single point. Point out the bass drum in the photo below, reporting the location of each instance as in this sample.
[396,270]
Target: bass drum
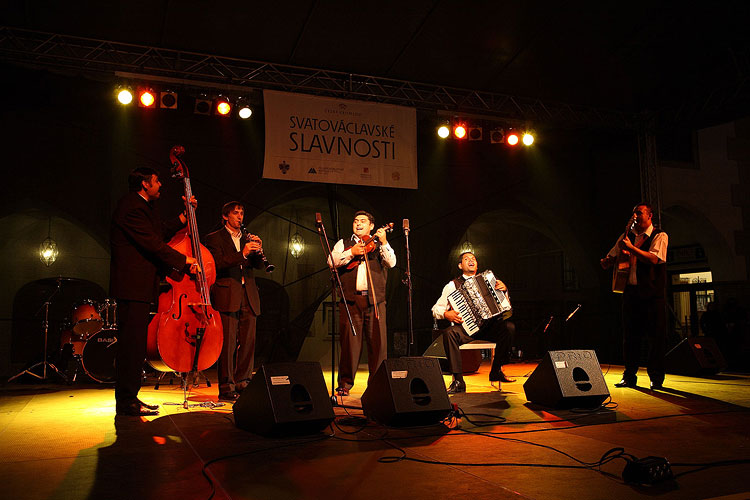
[98,357]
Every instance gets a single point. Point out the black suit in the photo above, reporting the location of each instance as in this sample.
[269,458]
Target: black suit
[235,296]
[139,254]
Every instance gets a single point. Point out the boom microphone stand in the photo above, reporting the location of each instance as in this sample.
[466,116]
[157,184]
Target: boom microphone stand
[335,283]
[407,281]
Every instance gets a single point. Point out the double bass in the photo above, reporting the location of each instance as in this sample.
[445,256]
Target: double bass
[186,335]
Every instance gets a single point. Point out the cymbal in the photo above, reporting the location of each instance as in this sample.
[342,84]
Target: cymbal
[59,279]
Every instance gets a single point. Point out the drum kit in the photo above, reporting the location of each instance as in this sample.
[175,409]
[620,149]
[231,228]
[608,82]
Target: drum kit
[90,337]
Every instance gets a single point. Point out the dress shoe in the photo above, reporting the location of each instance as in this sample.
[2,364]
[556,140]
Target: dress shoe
[148,406]
[134,409]
[456,387]
[657,385]
[342,391]
[240,386]
[499,376]
[626,383]
[229,396]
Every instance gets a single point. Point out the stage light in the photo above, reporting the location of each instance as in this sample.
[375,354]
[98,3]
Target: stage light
[443,131]
[459,131]
[202,105]
[168,99]
[528,139]
[222,106]
[244,109]
[124,95]
[497,136]
[475,133]
[146,98]
[512,139]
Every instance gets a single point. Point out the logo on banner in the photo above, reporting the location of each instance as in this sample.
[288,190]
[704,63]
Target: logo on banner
[395,176]
[366,170]
[312,171]
[284,167]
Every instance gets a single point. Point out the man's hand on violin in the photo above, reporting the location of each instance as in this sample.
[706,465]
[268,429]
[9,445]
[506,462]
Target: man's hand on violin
[358,249]
[453,316]
[380,233]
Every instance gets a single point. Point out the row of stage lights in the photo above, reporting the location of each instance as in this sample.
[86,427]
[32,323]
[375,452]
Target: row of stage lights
[146,97]
[510,137]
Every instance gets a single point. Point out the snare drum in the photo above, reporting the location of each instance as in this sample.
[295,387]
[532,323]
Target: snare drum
[86,318]
[98,358]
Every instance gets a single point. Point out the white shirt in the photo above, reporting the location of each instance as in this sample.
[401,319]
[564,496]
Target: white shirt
[658,247]
[236,237]
[342,257]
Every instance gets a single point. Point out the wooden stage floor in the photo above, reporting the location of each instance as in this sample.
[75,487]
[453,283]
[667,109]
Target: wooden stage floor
[62,441]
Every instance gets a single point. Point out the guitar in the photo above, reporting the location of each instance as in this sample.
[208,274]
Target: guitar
[623,261]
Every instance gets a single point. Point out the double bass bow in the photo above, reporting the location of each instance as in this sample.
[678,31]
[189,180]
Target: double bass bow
[186,335]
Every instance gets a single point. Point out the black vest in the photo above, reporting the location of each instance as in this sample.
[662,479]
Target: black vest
[377,270]
[652,278]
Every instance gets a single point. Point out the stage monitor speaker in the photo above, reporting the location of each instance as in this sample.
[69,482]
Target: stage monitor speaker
[284,399]
[567,379]
[407,391]
[695,356]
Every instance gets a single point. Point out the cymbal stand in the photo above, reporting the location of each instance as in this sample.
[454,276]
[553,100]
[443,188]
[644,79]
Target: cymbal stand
[44,363]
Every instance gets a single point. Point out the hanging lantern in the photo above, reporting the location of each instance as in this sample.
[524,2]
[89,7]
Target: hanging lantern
[48,251]
[296,245]
[466,246]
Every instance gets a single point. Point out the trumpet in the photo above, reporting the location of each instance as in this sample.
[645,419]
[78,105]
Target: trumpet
[269,267]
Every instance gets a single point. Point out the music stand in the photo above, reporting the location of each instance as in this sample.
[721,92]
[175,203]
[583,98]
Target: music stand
[45,325]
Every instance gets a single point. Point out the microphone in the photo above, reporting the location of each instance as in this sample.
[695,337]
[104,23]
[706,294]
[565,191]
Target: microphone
[574,311]
[548,323]
[406,225]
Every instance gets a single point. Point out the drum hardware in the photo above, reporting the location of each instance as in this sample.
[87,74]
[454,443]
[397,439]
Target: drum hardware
[45,327]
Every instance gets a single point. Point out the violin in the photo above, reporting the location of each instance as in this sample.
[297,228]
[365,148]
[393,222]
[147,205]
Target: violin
[371,243]
[186,335]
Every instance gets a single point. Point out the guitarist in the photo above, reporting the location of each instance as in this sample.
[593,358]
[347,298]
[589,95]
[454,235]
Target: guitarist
[364,290]
[644,297]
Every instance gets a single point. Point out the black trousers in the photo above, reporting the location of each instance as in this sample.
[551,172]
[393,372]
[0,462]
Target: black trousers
[133,318]
[501,333]
[643,319]
[369,329]
[238,351]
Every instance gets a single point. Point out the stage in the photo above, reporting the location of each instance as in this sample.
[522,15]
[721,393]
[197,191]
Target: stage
[62,441]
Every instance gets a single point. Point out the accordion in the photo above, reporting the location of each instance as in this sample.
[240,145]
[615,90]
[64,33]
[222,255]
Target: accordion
[478,303]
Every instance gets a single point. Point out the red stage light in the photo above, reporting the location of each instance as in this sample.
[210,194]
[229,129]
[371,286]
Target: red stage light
[223,107]
[512,139]
[147,98]
[459,131]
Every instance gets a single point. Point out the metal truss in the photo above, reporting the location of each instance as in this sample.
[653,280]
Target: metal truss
[50,50]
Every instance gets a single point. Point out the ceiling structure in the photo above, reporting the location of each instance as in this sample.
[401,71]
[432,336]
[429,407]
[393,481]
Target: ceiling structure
[591,62]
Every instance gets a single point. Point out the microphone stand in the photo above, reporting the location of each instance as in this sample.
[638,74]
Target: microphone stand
[335,283]
[407,281]
[45,326]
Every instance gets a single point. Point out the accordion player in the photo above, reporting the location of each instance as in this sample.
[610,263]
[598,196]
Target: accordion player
[479,303]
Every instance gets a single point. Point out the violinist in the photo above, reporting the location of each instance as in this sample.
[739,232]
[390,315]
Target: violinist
[364,293]
[139,255]
[644,313]
[235,296]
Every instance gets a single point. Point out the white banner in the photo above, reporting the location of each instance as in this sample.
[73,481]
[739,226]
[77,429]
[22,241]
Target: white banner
[320,139]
